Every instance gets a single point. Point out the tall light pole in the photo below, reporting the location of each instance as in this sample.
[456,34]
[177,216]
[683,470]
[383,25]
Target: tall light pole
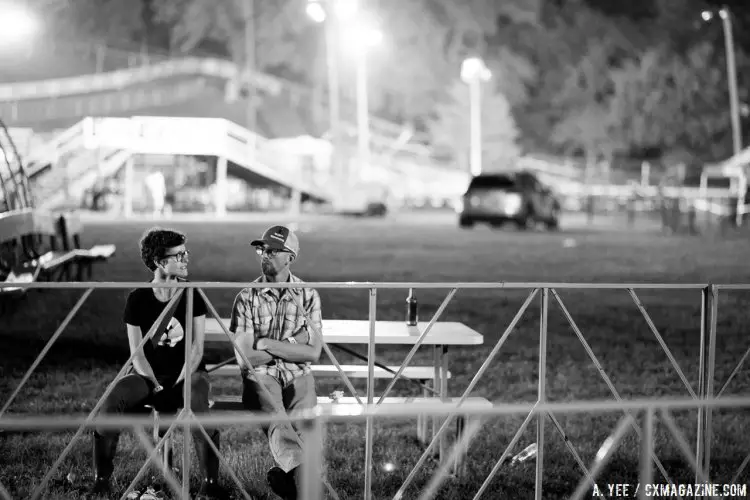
[363,113]
[734,103]
[334,94]
[360,38]
[250,112]
[474,72]
[319,13]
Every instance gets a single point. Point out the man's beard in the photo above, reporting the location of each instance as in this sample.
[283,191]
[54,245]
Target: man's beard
[268,269]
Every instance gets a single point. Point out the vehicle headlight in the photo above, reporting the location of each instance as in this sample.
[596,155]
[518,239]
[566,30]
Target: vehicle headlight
[512,202]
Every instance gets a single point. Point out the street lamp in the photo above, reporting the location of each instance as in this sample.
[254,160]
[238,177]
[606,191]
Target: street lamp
[474,72]
[734,103]
[17,24]
[318,11]
[315,11]
[360,38]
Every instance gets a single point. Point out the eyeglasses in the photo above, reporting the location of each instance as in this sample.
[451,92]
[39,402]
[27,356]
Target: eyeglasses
[271,252]
[179,256]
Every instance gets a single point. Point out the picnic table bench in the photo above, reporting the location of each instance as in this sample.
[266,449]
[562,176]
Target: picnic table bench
[71,229]
[37,245]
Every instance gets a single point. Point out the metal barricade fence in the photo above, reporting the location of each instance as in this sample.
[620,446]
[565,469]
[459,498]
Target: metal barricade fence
[705,398]
[315,422]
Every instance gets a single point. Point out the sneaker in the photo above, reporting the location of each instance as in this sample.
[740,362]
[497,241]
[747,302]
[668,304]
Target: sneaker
[152,494]
[282,483]
[100,488]
[210,490]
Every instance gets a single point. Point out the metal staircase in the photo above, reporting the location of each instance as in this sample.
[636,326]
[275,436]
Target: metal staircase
[14,186]
[64,168]
[65,184]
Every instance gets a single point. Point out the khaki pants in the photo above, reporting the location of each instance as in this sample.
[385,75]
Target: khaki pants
[296,395]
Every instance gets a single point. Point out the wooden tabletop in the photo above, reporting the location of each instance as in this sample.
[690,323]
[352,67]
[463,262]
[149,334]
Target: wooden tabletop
[346,331]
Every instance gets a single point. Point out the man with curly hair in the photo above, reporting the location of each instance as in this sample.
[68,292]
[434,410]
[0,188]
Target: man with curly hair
[159,370]
[275,328]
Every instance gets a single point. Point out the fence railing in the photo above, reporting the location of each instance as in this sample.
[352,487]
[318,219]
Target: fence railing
[704,397]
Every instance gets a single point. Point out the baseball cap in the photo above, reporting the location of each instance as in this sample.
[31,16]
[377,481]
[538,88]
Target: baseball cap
[278,238]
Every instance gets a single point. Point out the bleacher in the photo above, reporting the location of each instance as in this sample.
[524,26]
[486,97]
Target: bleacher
[285,110]
[36,245]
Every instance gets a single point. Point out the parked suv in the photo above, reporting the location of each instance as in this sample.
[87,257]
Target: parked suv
[516,197]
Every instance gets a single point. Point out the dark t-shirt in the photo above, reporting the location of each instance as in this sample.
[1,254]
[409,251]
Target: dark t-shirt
[166,350]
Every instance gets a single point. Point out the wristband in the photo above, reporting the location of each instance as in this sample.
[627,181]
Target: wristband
[292,340]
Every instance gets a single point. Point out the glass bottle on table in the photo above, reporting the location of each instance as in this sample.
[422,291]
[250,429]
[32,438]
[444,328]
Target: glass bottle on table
[412,315]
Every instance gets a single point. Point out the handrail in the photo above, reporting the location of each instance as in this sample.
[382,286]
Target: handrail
[6,193]
[11,157]
[399,285]
[109,164]
[346,413]
[60,144]
[117,79]
[104,104]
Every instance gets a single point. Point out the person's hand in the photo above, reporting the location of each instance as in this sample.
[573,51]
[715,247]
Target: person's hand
[302,336]
[158,388]
[261,345]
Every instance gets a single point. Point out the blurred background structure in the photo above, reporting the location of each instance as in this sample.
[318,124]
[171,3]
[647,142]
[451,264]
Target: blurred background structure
[363,105]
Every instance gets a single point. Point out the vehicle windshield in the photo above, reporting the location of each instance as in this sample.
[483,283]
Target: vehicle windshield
[492,182]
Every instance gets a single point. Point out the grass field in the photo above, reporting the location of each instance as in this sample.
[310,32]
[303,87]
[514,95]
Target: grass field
[429,249]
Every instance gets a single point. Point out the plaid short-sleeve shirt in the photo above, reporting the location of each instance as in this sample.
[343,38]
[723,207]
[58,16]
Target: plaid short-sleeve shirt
[261,312]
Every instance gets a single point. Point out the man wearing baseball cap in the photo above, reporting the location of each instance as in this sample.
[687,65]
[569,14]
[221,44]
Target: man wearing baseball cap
[277,329]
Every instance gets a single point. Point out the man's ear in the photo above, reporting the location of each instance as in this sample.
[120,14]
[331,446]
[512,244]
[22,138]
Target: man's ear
[292,258]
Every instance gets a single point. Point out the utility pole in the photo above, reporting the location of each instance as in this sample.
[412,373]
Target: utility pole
[334,116]
[734,106]
[250,46]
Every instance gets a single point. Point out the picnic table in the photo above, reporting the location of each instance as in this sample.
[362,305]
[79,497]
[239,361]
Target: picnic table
[442,335]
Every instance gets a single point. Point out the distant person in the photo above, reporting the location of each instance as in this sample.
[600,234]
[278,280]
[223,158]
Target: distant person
[157,188]
[274,334]
[157,375]
[170,198]
[114,195]
[97,192]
